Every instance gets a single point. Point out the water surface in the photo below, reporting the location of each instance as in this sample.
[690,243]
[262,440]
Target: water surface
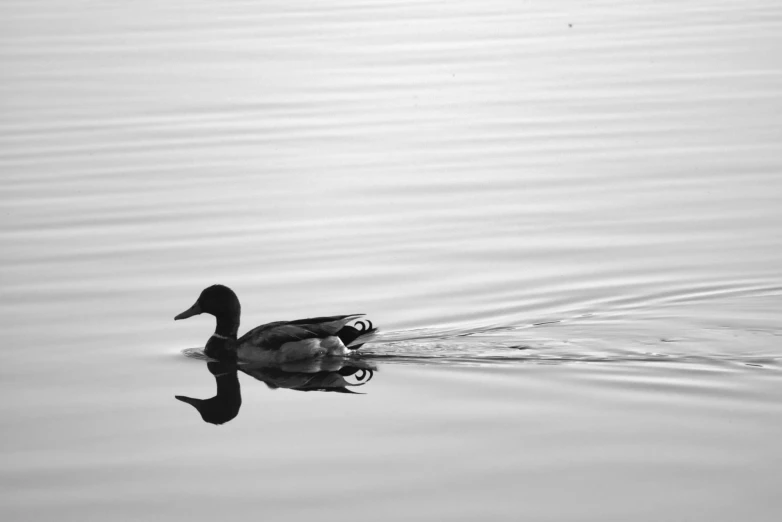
[563,216]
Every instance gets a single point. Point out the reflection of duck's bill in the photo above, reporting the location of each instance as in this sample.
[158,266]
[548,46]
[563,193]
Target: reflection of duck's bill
[191,401]
[190,312]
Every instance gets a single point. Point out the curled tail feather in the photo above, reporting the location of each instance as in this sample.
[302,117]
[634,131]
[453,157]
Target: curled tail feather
[354,337]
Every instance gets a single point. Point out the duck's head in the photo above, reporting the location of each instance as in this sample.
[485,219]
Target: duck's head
[217,300]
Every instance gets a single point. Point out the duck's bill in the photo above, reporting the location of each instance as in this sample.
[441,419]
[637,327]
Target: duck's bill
[190,312]
[191,401]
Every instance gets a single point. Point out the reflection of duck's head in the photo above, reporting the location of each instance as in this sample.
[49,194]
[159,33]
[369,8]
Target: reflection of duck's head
[225,405]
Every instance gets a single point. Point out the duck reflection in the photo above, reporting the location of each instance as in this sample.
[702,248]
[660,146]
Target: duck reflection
[225,405]
[327,375]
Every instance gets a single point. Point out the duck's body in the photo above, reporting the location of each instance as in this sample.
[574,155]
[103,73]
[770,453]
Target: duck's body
[281,342]
[278,342]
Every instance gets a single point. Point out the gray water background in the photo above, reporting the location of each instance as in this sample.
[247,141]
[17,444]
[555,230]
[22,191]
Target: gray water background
[564,216]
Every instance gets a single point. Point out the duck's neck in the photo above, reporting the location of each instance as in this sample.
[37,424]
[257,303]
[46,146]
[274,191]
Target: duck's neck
[222,343]
[227,327]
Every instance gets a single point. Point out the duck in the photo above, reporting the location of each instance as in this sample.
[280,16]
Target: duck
[278,342]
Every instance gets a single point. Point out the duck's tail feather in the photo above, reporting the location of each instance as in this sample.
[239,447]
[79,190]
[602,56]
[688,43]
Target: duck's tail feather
[354,337]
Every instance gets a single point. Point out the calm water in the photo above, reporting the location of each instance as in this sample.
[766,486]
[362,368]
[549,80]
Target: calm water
[564,216]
